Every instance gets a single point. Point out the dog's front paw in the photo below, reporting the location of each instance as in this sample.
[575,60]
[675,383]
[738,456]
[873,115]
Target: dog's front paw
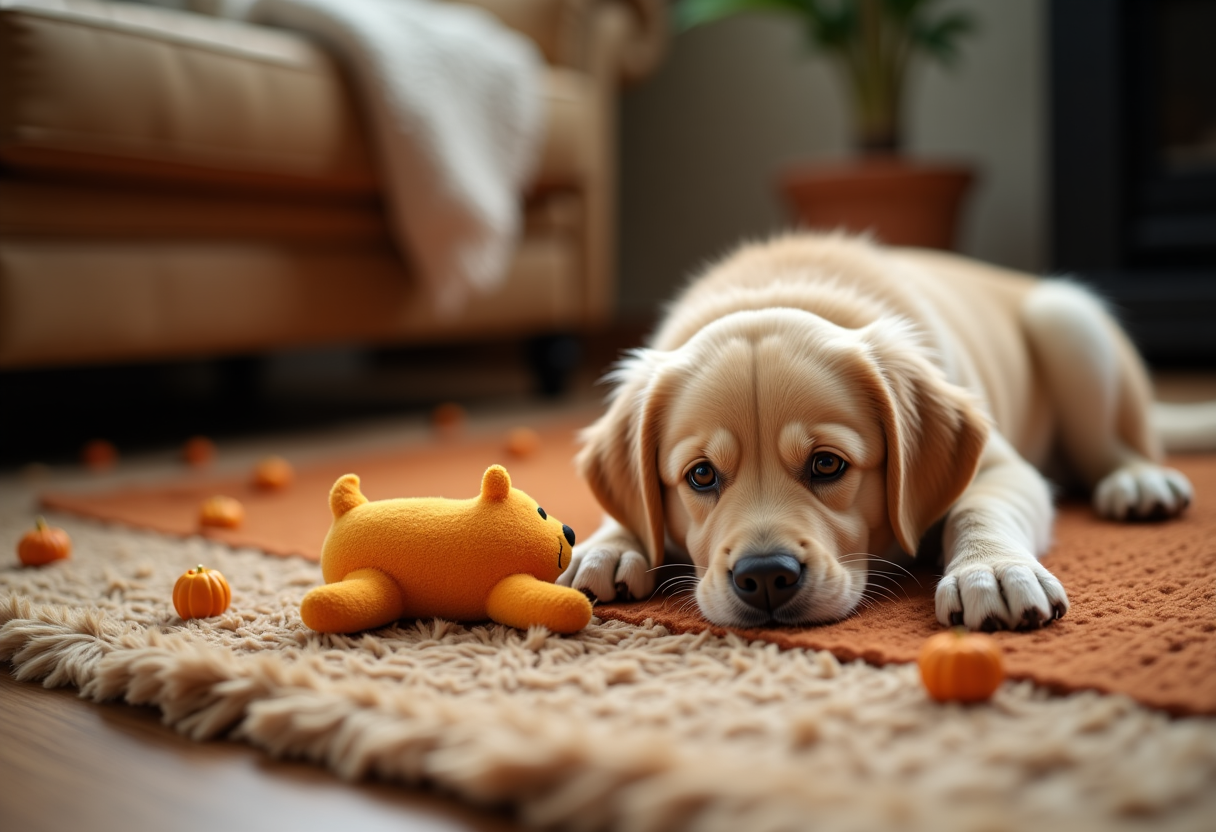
[1003,592]
[610,570]
[1143,491]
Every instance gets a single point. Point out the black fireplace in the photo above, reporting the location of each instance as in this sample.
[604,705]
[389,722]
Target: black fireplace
[1133,144]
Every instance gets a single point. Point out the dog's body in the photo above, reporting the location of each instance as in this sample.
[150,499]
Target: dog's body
[815,403]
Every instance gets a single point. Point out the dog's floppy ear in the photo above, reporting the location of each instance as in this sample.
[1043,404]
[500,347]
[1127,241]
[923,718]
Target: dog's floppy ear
[935,430]
[620,454]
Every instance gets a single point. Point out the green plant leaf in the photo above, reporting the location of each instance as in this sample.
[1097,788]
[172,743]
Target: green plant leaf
[690,13]
[939,38]
[872,42]
[830,25]
[905,9]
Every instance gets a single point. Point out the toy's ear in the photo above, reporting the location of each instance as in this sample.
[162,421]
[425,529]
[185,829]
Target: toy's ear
[935,430]
[345,495]
[496,484]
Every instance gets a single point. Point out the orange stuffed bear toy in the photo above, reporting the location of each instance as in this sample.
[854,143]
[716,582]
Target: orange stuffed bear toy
[493,556]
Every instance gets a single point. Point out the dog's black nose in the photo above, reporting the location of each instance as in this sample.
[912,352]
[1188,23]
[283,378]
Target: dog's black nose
[767,581]
[569,533]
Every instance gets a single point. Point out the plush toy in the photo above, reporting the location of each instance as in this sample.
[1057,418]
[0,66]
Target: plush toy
[494,556]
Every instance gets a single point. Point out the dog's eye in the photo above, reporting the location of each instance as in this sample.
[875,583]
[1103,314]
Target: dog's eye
[542,514]
[703,477]
[825,466]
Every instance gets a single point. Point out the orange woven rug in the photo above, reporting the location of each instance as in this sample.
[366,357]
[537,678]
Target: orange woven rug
[1142,623]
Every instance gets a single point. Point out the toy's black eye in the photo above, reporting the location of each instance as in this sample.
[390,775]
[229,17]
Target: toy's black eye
[703,477]
[825,467]
[542,514]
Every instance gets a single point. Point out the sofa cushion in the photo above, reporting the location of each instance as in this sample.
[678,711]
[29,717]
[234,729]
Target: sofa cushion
[35,209]
[115,88]
[118,301]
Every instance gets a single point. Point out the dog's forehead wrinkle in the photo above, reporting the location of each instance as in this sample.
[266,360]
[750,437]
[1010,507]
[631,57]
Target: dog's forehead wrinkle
[810,393]
[723,448]
[718,445]
[795,443]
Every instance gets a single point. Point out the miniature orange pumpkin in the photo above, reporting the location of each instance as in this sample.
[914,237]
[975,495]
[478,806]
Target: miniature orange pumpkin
[225,512]
[522,442]
[448,418]
[43,544]
[201,593]
[198,451]
[959,666]
[273,473]
[99,454]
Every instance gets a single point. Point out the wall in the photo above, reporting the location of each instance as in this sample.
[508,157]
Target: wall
[702,140]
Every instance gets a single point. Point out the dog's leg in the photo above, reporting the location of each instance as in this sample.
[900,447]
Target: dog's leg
[1101,397]
[610,566]
[991,543]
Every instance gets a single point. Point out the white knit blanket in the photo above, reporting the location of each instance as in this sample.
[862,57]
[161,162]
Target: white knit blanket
[455,110]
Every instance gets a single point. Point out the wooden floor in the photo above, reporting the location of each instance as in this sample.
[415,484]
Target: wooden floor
[68,764]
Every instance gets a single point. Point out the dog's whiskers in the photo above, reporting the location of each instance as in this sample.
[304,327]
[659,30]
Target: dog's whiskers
[893,578]
[682,566]
[688,596]
[882,591]
[689,603]
[886,592]
[685,581]
[880,583]
[903,571]
[866,603]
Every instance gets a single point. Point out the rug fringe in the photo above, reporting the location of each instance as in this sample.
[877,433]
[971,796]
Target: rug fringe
[56,645]
[571,765]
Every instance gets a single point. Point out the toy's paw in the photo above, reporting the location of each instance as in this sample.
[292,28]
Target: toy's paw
[363,600]
[610,569]
[523,601]
[1143,491]
[998,592]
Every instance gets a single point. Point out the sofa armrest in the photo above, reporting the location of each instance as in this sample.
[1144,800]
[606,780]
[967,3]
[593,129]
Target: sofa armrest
[571,33]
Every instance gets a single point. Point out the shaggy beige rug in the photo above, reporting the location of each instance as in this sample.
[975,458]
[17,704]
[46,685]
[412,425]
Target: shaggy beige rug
[1142,621]
[623,726]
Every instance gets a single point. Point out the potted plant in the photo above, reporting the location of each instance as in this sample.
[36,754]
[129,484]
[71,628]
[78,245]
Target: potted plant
[873,44]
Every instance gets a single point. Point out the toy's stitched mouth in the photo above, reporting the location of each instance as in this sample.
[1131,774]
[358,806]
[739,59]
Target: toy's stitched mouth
[559,554]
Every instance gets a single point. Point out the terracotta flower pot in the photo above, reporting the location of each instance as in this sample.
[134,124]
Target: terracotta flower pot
[902,202]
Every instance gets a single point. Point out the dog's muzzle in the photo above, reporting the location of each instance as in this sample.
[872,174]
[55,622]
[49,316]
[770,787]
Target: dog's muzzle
[767,581]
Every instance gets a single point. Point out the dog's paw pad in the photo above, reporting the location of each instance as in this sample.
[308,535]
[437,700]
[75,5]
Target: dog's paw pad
[1033,619]
[991,624]
[1143,492]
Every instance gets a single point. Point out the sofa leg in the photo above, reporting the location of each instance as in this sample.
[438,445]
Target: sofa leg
[553,359]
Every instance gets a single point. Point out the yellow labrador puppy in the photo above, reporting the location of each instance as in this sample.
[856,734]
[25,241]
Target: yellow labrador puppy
[815,403]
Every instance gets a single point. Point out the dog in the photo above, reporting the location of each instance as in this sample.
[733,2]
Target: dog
[812,405]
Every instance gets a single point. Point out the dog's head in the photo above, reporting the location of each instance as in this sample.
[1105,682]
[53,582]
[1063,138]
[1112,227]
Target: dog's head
[779,450]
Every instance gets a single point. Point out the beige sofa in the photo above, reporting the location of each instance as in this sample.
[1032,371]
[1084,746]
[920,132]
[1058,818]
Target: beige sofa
[177,185]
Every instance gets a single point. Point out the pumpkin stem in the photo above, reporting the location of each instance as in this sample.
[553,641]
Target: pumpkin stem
[40,523]
[200,569]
